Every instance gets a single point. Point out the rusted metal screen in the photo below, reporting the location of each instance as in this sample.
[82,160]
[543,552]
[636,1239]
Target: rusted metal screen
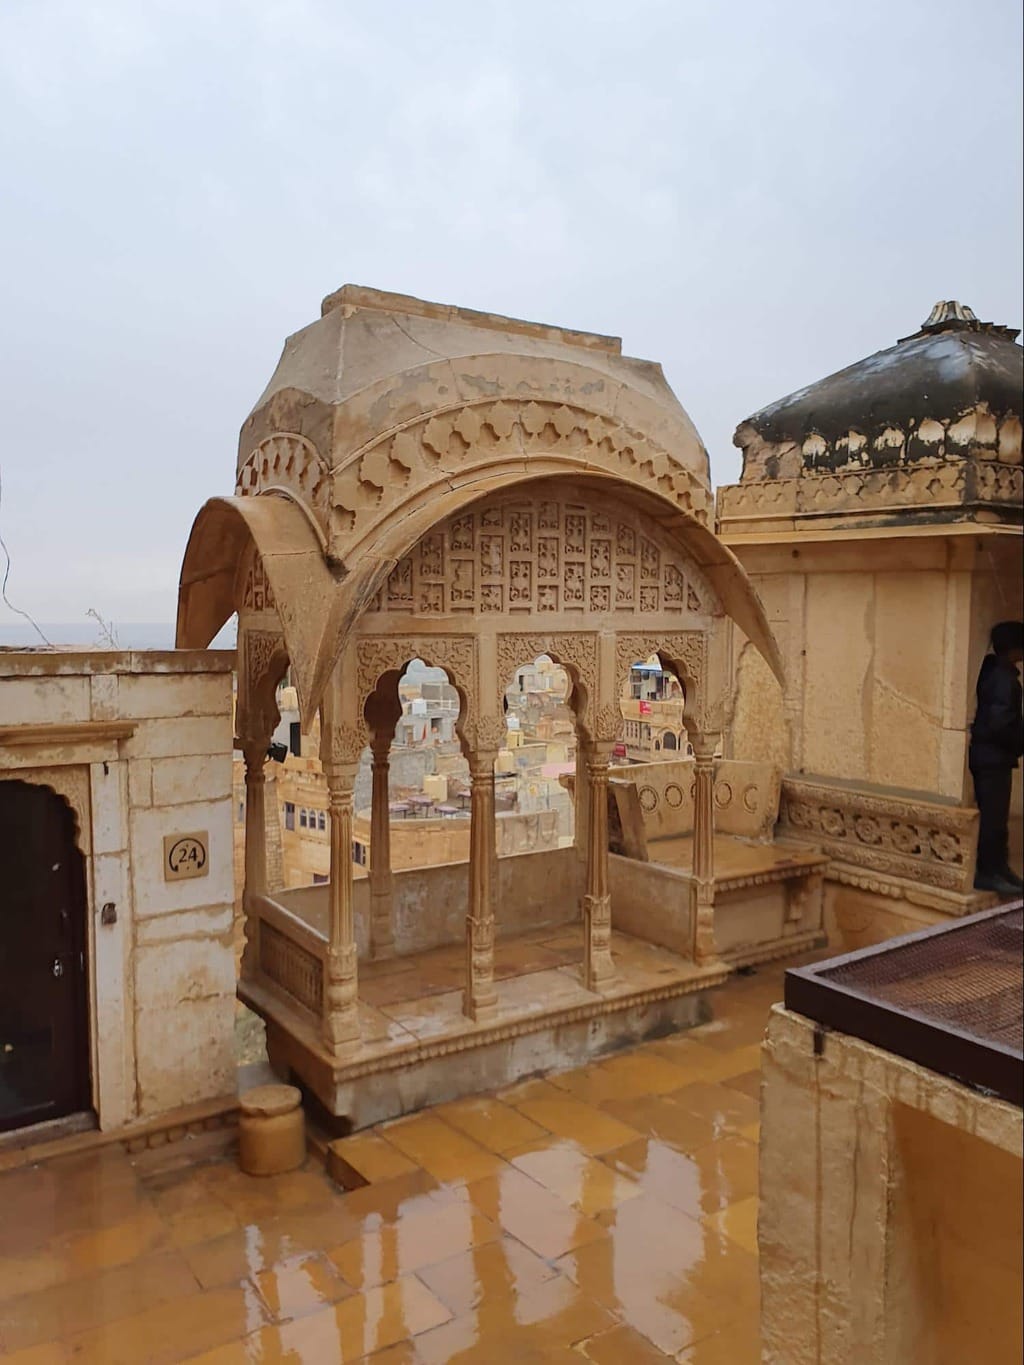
[949,998]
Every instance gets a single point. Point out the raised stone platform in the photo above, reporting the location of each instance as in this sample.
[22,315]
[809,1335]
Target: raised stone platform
[418,1048]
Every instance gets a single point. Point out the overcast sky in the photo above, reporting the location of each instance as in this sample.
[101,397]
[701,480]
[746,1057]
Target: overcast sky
[754,194]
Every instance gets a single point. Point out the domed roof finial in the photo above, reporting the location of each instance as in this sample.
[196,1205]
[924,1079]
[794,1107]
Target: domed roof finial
[949,315]
[945,312]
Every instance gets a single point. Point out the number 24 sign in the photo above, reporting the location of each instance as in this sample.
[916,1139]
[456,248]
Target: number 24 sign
[186,855]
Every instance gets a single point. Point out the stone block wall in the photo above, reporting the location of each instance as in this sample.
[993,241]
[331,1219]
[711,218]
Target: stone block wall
[139,745]
[890,1218]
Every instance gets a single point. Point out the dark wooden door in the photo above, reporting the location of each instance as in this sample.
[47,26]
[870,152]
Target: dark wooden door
[44,1053]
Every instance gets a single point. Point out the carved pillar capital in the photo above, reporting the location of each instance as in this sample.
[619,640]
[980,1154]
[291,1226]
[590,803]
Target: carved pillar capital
[481,764]
[704,744]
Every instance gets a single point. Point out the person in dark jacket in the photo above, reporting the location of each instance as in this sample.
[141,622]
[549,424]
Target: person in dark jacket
[997,742]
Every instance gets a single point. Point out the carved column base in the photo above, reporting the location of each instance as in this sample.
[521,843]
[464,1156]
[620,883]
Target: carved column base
[341,1000]
[480,998]
[598,967]
[703,910]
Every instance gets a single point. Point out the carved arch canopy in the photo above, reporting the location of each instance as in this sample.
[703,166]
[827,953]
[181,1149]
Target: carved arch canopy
[551,555]
[495,435]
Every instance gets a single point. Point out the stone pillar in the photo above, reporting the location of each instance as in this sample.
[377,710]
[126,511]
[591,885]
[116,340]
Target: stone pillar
[581,811]
[480,1000]
[382,935]
[703,895]
[255,755]
[341,986]
[598,969]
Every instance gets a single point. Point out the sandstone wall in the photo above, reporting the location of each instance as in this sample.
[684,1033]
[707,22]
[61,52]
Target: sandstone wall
[890,1219]
[144,752]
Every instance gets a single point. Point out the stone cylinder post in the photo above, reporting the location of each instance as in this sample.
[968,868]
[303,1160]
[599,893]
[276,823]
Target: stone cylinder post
[480,1000]
[255,756]
[341,986]
[598,968]
[703,894]
[382,934]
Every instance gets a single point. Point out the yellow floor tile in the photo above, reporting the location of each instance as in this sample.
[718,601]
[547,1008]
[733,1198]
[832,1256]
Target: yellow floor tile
[492,1270]
[91,1300]
[538,1218]
[737,1344]
[748,1082]
[701,1063]
[173,1331]
[658,1117]
[441,1150]
[621,1346]
[608,1215]
[492,1124]
[49,1353]
[384,1253]
[699,1182]
[348,1331]
[299,1286]
[372,1157]
[660,1272]
[725,1109]
[580,1180]
[738,1222]
[590,1128]
[534,1328]
[260,1245]
[643,1074]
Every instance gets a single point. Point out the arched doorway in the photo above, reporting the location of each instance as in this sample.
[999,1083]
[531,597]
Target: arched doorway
[44,1054]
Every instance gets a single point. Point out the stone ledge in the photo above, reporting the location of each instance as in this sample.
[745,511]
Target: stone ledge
[188,1121]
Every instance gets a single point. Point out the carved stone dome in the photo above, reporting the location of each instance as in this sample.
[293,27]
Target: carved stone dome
[951,386]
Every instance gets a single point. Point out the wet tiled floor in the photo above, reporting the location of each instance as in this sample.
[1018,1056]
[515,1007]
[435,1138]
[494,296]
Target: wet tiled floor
[606,1214]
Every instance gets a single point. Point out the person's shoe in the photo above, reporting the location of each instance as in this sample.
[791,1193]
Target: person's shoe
[992,881]
[1008,875]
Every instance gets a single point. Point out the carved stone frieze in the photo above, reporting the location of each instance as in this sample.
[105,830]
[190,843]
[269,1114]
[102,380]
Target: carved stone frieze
[286,460]
[257,594]
[542,557]
[951,483]
[891,835]
[265,659]
[383,473]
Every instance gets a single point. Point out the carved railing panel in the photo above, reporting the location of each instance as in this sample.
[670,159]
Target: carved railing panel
[891,835]
[292,968]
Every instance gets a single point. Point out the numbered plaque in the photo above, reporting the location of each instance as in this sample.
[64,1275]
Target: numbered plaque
[186,855]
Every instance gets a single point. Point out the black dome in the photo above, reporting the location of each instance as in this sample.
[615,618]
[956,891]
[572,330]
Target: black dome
[953,364]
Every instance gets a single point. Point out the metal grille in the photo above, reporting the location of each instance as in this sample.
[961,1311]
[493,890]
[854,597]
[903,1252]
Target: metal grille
[948,998]
[969,977]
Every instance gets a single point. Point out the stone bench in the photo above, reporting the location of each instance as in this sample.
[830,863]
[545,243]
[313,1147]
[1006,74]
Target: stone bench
[768,893]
